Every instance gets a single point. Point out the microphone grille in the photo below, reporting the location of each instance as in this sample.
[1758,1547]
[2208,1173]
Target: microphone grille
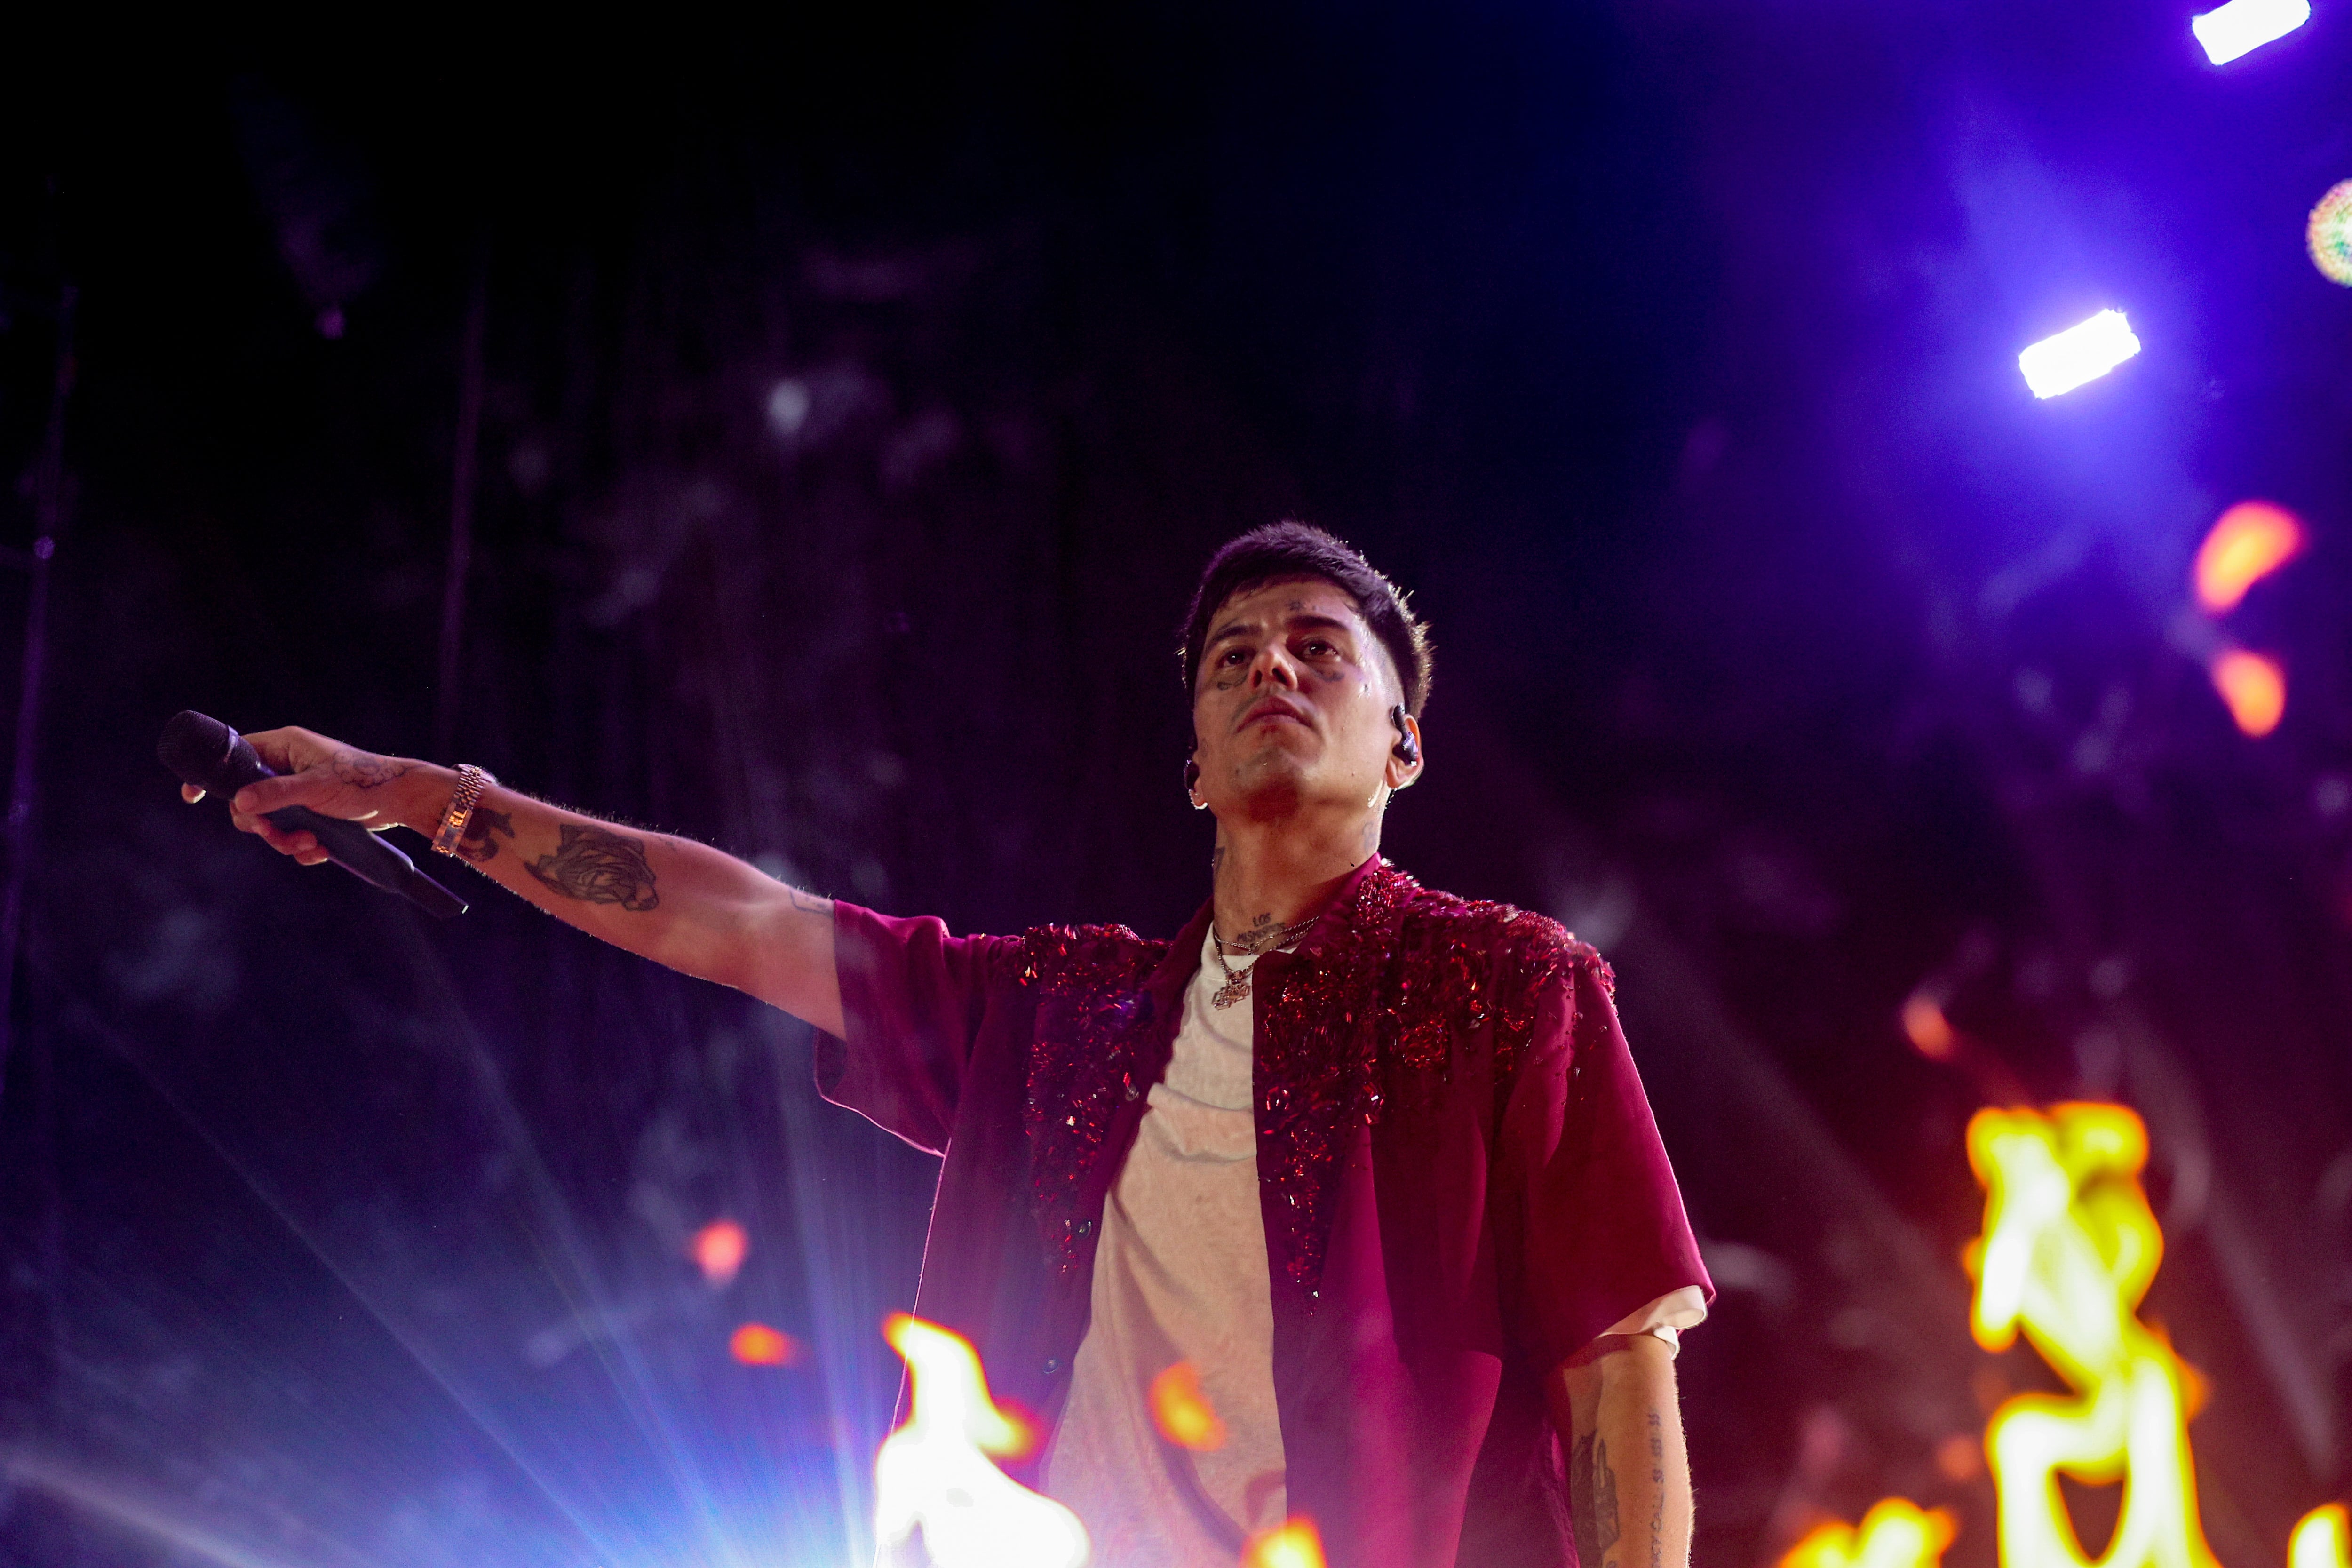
[202,750]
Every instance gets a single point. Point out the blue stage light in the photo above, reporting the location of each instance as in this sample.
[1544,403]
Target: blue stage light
[2246,24]
[2078,355]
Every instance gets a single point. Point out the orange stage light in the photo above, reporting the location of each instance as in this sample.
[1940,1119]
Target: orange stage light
[1296,1544]
[2246,544]
[2254,686]
[2068,1250]
[1183,1412]
[1930,1031]
[756,1344]
[934,1474]
[718,1249]
[1895,1534]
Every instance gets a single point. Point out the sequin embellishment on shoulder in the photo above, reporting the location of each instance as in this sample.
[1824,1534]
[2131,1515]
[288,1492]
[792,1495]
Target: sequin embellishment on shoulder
[1091,1009]
[1387,1010]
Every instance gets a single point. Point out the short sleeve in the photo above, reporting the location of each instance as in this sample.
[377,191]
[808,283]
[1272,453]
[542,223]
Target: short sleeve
[912,1001]
[1604,1230]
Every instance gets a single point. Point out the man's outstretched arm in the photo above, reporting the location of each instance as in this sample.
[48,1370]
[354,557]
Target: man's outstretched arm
[1628,1474]
[673,900]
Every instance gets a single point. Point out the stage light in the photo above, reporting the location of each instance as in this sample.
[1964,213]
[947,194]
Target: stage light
[756,1344]
[2253,686]
[1930,1031]
[2080,353]
[2320,1540]
[2243,26]
[718,1250]
[789,401]
[935,1474]
[2329,234]
[2069,1248]
[2246,544]
[1183,1412]
[1296,1544]
[1895,1534]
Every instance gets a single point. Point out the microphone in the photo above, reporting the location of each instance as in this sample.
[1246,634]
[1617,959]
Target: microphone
[215,758]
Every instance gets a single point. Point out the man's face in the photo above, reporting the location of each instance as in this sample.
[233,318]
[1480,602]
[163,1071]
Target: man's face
[1292,703]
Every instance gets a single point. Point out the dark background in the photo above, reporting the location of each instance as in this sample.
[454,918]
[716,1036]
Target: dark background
[851,400]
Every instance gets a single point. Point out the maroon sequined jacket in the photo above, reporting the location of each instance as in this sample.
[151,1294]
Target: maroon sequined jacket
[1461,1181]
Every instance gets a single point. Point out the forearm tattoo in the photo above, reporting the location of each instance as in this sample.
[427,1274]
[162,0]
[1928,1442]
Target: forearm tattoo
[477,843]
[1658,1495]
[365,769]
[598,866]
[1592,1501]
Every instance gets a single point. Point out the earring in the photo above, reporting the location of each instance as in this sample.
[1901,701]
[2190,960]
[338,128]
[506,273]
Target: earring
[1192,782]
[1408,748]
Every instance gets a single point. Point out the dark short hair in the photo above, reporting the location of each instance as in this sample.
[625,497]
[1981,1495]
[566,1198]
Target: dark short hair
[1281,550]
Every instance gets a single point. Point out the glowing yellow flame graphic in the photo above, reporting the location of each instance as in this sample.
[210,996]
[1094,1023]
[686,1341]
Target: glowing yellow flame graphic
[2320,1540]
[934,1473]
[1296,1544]
[1895,1534]
[2069,1248]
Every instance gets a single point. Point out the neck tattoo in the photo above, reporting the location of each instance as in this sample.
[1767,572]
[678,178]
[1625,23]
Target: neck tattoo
[1254,945]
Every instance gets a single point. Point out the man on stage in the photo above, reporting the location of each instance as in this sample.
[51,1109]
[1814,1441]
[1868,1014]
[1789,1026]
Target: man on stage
[1373,1160]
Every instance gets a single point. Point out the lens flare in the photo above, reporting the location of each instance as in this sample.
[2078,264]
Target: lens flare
[756,1344]
[718,1250]
[1930,1031]
[2082,353]
[934,1473]
[2254,688]
[2329,234]
[1296,1544]
[2069,1248]
[1183,1412]
[1895,1534]
[2320,1540]
[2246,544]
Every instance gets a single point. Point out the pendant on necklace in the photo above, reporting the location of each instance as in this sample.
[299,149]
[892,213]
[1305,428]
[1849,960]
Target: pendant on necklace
[1235,987]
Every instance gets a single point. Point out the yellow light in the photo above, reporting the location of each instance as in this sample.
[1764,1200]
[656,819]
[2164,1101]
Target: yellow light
[1296,1544]
[2068,1250]
[2253,686]
[1183,1412]
[756,1344]
[1895,1534]
[934,1474]
[2246,544]
[2320,1540]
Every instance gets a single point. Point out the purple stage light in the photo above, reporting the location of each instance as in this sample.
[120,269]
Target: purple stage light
[2078,355]
[2243,26]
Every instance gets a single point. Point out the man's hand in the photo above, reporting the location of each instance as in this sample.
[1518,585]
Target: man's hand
[1628,1474]
[677,903]
[333,780]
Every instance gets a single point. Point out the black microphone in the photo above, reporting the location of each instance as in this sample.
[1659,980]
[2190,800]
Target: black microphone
[215,758]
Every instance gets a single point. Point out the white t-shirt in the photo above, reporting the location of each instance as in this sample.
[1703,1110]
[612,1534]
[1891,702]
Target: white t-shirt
[1181,1275]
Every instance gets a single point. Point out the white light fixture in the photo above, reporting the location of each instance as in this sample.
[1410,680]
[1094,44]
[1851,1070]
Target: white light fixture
[2078,355]
[2243,26]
